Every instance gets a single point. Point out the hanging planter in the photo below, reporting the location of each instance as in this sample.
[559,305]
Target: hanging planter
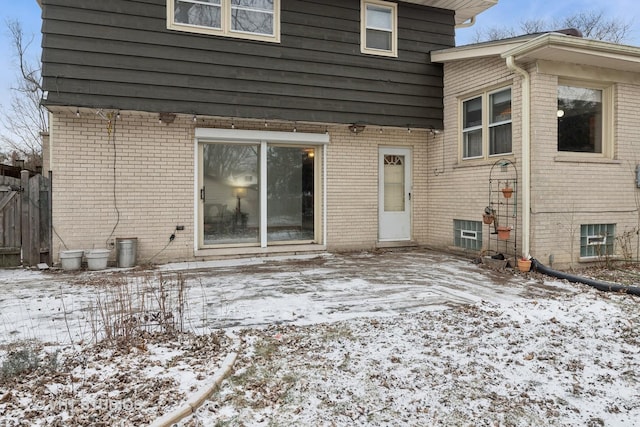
[487,218]
[524,265]
[507,192]
[503,232]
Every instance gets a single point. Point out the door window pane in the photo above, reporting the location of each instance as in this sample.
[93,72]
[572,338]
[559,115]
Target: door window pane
[231,196]
[579,119]
[290,193]
[393,183]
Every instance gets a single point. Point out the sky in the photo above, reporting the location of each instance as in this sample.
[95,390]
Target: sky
[506,13]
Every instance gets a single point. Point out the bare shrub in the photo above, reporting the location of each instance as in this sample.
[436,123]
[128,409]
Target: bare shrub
[127,310]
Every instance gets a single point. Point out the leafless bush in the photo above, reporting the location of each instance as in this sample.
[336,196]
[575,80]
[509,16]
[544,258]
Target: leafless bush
[625,244]
[127,310]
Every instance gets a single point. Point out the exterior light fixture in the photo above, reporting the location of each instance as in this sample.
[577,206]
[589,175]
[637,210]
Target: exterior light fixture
[356,128]
[167,118]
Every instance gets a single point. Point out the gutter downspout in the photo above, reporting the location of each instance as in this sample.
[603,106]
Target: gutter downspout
[468,23]
[526,153]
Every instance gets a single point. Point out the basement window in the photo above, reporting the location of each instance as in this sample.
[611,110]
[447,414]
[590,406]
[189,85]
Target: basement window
[596,240]
[467,234]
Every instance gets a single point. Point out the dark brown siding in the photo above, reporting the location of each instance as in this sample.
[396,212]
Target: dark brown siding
[119,54]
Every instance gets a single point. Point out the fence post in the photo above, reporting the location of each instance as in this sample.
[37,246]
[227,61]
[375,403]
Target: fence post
[25,223]
[34,219]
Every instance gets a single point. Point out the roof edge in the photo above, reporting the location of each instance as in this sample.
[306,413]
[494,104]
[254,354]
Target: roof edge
[561,40]
[472,51]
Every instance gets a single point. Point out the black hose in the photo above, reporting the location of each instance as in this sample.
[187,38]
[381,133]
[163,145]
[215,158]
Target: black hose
[601,286]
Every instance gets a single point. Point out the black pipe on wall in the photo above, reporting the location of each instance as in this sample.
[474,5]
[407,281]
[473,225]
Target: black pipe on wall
[602,286]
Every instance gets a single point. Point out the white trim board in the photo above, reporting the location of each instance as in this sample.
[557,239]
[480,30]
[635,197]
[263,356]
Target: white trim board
[214,134]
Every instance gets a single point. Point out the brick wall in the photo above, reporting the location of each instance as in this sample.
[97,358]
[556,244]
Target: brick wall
[460,189]
[569,192]
[353,184]
[565,193]
[144,194]
[154,181]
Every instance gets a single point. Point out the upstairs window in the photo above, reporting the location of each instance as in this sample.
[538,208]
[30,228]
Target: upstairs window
[252,19]
[486,125]
[583,118]
[379,27]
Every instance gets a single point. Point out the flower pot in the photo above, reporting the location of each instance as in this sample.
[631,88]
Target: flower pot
[504,232]
[507,192]
[487,219]
[97,259]
[71,260]
[524,265]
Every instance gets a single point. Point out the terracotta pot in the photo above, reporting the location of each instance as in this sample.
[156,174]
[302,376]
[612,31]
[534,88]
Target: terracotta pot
[487,219]
[524,265]
[507,192]
[504,232]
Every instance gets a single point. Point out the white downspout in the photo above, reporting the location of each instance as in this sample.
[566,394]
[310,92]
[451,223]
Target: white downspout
[526,153]
[466,24]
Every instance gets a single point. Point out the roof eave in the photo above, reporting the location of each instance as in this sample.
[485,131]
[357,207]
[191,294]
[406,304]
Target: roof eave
[464,9]
[474,51]
[576,43]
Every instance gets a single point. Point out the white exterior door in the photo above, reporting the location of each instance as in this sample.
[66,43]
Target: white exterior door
[394,205]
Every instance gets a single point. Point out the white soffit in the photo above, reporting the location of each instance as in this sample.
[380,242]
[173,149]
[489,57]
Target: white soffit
[465,9]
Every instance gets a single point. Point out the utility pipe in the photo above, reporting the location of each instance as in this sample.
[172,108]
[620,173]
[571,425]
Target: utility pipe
[526,153]
[601,286]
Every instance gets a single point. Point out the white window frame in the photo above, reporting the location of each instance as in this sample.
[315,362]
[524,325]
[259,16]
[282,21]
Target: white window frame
[607,119]
[485,126]
[469,234]
[597,240]
[225,30]
[393,8]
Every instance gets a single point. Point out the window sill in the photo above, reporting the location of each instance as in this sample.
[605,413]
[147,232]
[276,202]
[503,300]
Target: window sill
[592,259]
[585,158]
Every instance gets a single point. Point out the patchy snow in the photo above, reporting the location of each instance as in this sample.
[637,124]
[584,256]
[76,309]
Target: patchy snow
[565,361]
[411,338]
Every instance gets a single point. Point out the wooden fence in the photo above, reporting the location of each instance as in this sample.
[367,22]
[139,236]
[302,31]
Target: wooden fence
[25,220]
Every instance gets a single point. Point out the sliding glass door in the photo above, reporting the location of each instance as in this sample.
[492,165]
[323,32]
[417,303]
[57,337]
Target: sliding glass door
[233,185]
[290,193]
[230,193]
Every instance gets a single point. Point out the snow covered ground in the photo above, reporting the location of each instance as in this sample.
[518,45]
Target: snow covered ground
[398,338]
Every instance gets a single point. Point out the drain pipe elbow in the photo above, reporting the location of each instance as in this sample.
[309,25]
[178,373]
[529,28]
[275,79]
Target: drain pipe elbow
[468,23]
[526,152]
